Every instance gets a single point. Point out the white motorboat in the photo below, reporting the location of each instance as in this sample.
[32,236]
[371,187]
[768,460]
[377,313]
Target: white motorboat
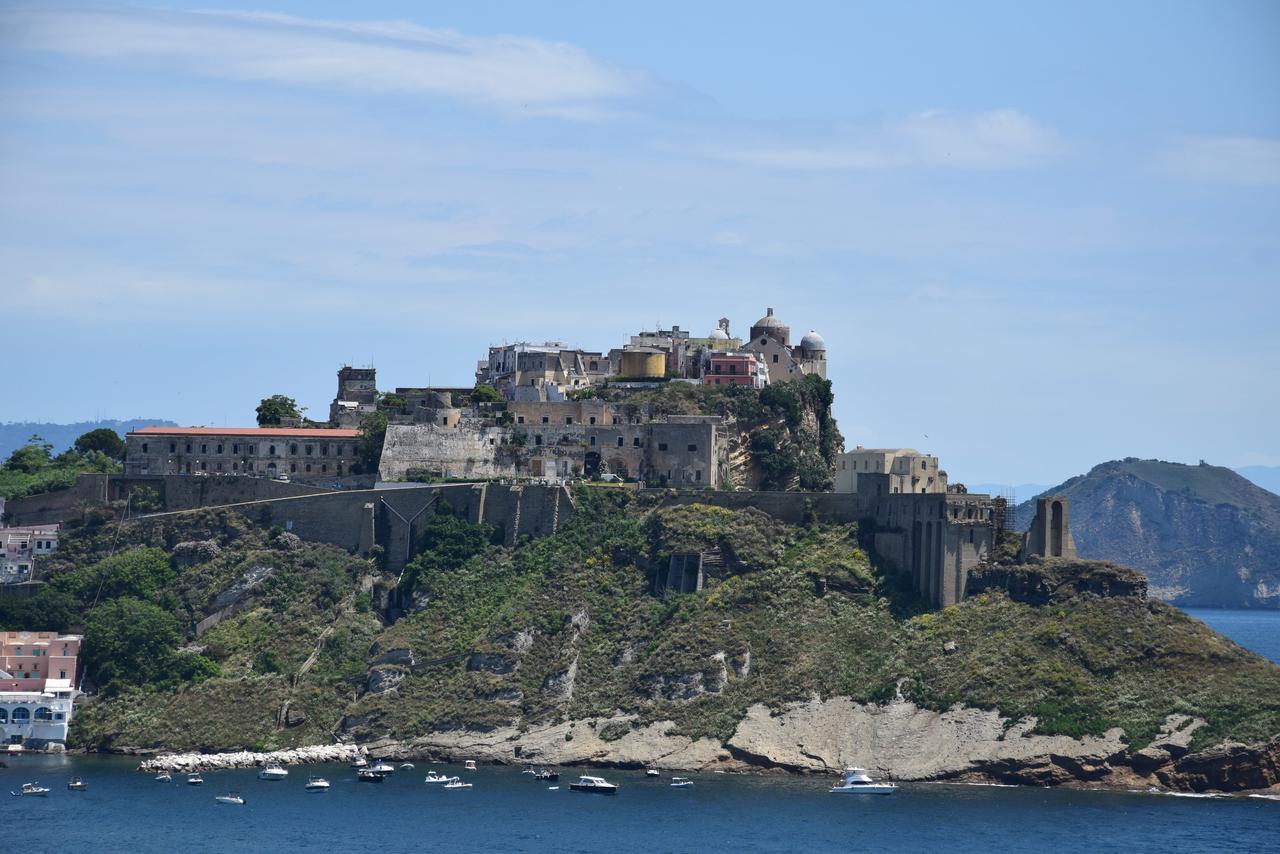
[652,772]
[194,780]
[681,782]
[29,789]
[273,771]
[368,775]
[358,763]
[381,767]
[317,784]
[856,782]
[433,777]
[469,765]
[598,785]
[77,785]
[232,798]
[164,777]
[406,766]
[456,783]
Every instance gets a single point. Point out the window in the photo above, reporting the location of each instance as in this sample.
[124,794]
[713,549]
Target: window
[235,447]
[619,441]
[592,442]
[519,419]
[537,440]
[144,447]
[219,449]
[923,465]
[251,449]
[765,341]
[546,420]
[204,466]
[293,467]
[444,420]
[308,466]
[293,449]
[568,419]
[204,449]
[662,446]
[693,448]
[324,450]
[491,441]
[717,381]
[733,369]
[635,443]
[62,674]
[718,367]
[271,450]
[235,467]
[173,447]
[697,475]
[308,450]
[775,358]
[188,447]
[591,420]
[594,366]
[219,466]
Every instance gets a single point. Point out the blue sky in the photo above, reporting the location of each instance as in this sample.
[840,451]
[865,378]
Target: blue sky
[1035,236]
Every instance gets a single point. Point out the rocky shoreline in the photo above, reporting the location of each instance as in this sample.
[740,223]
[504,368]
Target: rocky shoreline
[898,741]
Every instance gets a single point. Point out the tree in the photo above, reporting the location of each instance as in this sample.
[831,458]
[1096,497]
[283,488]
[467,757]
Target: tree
[373,433]
[485,393]
[31,457]
[274,409]
[130,641]
[104,440]
[138,573]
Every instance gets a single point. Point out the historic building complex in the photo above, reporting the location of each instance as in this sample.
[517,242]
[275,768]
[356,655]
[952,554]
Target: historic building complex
[314,452]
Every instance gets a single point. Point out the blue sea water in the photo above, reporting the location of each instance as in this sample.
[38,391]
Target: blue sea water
[510,812]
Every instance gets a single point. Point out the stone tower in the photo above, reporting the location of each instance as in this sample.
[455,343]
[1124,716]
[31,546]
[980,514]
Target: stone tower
[1050,531]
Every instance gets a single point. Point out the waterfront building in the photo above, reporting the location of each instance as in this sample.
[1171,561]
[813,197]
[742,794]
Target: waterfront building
[37,686]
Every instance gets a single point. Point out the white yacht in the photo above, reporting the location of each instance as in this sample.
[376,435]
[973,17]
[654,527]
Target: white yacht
[681,782]
[29,789]
[273,771]
[358,763]
[434,777]
[856,782]
[317,784]
[598,785]
[232,798]
[164,777]
[652,772]
[194,780]
[382,767]
[469,765]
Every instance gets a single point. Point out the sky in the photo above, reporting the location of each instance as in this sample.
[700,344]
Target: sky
[1034,236]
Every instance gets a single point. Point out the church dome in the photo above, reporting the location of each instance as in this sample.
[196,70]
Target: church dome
[718,334]
[813,341]
[769,321]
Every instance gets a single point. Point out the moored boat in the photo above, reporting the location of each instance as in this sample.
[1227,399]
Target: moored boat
[194,780]
[434,777]
[317,784]
[547,774]
[368,775]
[33,789]
[856,782]
[598,785]
[456,783]
[358,763]
[381,767]
[232,798]
[406,766]
[273,771]
[469,765]
[77,785]
[652,772]
[164,777]
[681,782]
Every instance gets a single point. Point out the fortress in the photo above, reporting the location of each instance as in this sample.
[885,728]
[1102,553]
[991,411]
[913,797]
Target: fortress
[537,417]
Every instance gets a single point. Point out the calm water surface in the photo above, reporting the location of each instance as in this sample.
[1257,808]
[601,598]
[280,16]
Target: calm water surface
[507,811]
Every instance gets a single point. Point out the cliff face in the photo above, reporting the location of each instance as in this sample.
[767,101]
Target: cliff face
[1203,535]
[796,654]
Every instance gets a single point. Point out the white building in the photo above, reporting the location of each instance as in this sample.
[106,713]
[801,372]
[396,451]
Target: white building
[908,470]
[20,548]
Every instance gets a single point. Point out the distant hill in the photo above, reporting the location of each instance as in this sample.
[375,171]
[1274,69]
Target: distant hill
[1204,535]
[1268,477]
[14,435]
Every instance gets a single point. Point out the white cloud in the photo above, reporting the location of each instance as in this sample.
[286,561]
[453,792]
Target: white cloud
[517,75]
[1245,160]
[997,139]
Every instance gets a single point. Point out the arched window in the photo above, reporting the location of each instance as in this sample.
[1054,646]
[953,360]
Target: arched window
[44,714]
[271,450]
[22,713]
[293,449]
[4,715]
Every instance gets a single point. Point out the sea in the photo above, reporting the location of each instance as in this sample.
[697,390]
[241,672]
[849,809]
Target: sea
[507,811]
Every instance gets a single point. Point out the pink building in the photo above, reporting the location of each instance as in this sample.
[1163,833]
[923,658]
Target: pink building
[37,686]
[735,369]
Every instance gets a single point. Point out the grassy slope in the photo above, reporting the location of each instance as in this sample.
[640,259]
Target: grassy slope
[792,613]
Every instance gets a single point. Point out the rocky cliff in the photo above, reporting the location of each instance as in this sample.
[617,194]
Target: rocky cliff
[796,654]
[1203,535]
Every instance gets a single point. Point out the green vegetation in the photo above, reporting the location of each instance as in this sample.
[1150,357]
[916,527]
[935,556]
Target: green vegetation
[33,469]
[104,440]
[299,641]
[485,393]
[373,433]
[273,410]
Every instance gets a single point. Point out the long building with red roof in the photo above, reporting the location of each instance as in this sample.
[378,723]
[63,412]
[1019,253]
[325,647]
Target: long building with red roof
[304,452]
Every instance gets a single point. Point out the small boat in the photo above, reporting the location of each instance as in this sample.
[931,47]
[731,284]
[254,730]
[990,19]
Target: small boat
[317,784]
[456,783]
[194,780]
[381,767]
[358,763]
[528,769]
[856,782]
[368,775]
[232,798]
[77,785]
[547,775]
[652,772]
[681,782]
[164,777]
[433,777]
[29,789]
[406,766]
[469,765]
[273,771]
[598,785]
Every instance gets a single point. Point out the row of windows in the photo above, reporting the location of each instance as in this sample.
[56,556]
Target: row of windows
[568,419]
[252,450]
[271,467]
[23,714]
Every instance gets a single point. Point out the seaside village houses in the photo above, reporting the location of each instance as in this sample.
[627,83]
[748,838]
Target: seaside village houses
[37,688]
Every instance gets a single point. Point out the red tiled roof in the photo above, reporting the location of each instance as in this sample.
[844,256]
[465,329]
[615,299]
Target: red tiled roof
[261,432]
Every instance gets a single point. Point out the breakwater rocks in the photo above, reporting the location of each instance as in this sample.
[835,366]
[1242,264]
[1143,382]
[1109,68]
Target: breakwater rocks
[898,740]
[191,762]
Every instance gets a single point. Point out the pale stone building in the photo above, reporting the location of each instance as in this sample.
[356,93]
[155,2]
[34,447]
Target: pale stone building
[298,452]
[549,371]
[357,396]
[908,470]
[771,338]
